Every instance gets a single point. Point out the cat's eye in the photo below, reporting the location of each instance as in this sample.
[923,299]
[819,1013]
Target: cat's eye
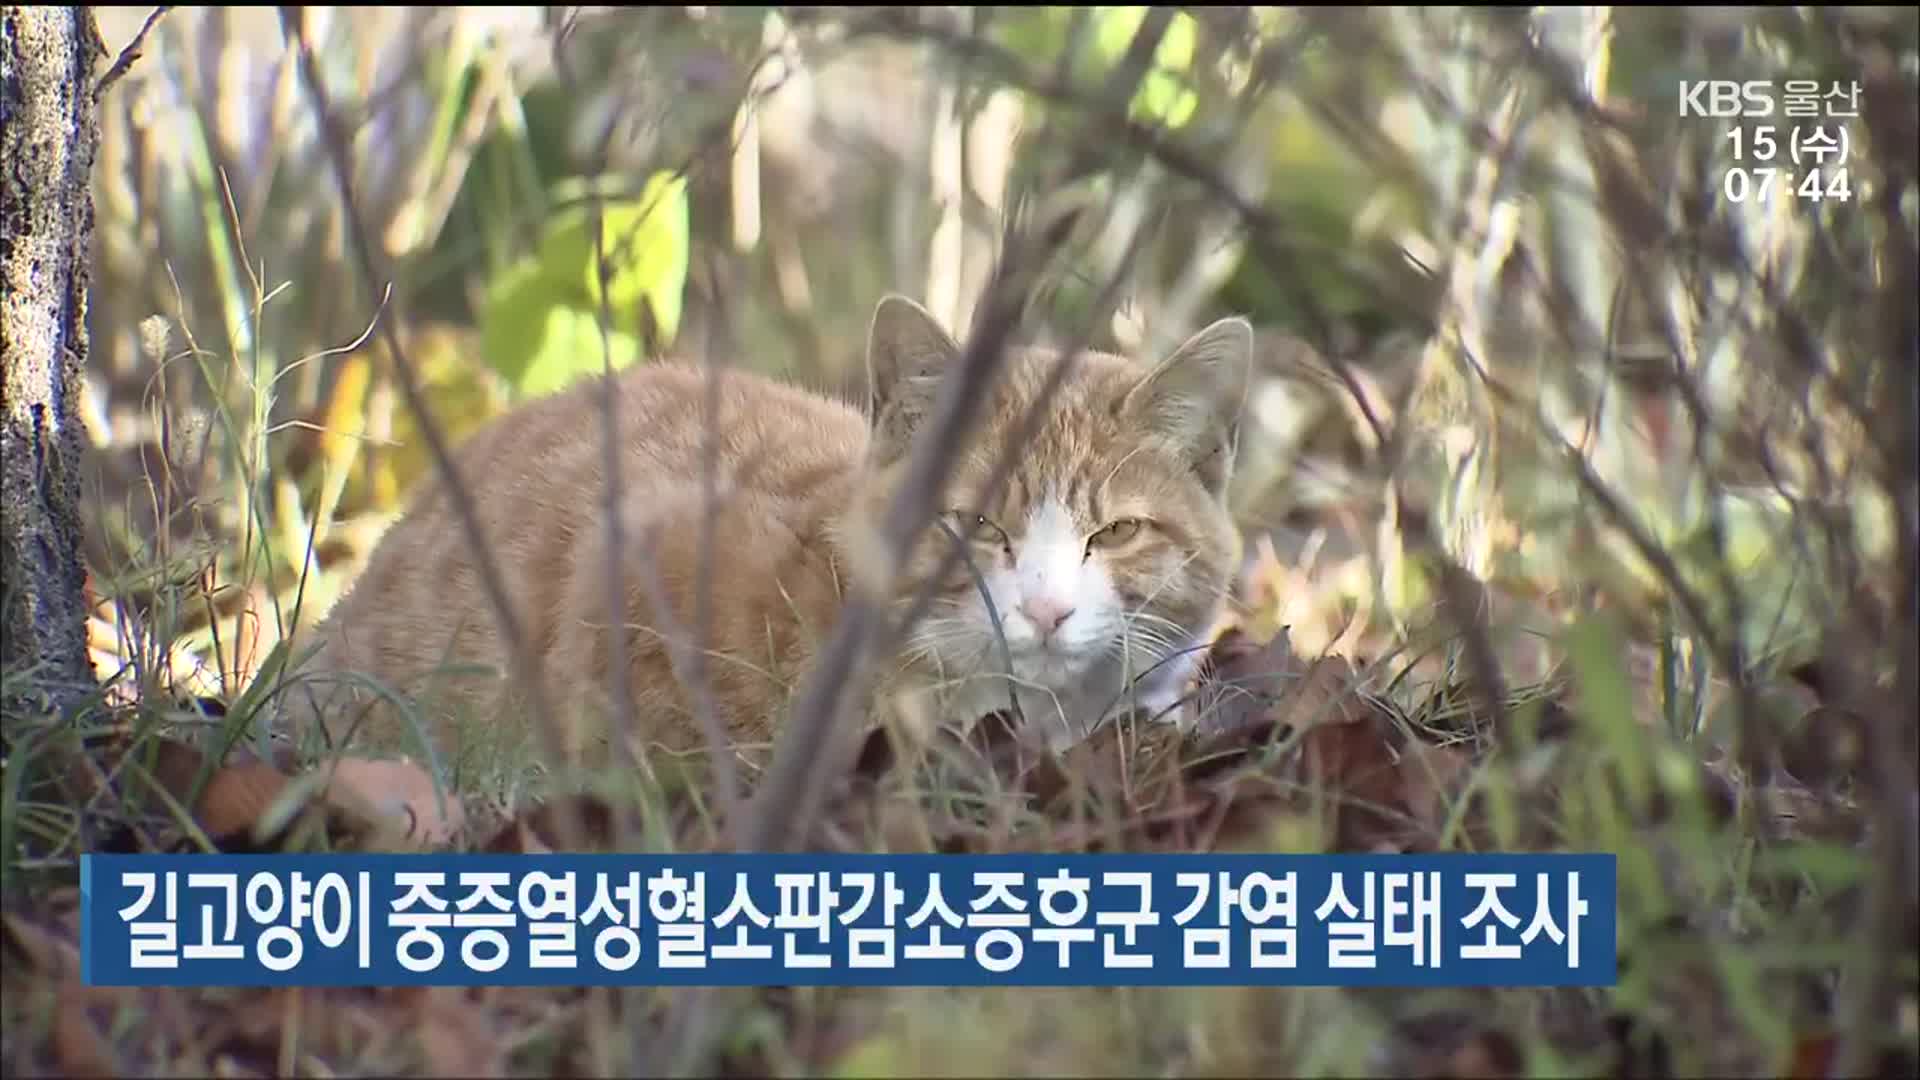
[977,528]
[1115,534]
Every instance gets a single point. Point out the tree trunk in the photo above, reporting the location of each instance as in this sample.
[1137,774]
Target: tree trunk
[48,61]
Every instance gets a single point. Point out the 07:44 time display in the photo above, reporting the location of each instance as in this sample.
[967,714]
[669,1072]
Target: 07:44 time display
[1741,184]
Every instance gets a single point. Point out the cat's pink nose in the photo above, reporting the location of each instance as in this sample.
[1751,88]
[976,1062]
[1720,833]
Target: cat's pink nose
[1047,614]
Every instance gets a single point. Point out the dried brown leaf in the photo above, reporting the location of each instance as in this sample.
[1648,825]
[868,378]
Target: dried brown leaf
[397,797]
[1242,682]
[238,795]
[228,805]
[1377,788]
[1354,772]
[1429,777]
[538,830]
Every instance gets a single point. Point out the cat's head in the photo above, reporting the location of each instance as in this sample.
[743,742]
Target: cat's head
[1109,540]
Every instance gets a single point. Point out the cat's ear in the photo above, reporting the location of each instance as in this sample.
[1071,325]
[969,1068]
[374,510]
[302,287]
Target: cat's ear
[907,353]
[1193,399]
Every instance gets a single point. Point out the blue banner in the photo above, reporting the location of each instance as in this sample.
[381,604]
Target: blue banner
[880,920]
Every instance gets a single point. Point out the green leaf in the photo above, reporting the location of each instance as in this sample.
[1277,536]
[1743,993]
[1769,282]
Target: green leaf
[539,325]
[1163,94]
[513,319]
[1598,653]
[570,347]
[1831,867]
[646,244]
[1039,34]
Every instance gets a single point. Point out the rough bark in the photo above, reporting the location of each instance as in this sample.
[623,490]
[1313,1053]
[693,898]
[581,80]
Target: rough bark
[48,62]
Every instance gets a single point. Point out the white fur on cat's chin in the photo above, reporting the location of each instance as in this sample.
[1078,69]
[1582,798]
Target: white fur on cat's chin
[1068,689]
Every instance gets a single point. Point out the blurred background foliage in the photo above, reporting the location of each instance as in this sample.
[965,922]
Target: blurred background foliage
[761,175]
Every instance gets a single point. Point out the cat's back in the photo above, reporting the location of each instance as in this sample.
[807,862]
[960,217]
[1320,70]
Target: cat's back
[763,433]
[776,458]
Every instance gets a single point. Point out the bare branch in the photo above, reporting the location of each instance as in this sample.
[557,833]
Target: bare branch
[128,55]
[525,671]
[619,689]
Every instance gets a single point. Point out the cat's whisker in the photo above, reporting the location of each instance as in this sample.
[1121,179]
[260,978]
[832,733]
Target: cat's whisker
[1148,619]
[1158,634]
[1148,631]
[1144,649]
[1168,652]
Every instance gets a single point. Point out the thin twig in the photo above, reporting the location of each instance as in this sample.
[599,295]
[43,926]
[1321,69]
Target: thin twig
[787,794]
[793,783]
[810,739]
[1461,322]
[1874,991]
[129,54]
[618,668]
[1112,126]
[790,789]
[701,685]
[525,671]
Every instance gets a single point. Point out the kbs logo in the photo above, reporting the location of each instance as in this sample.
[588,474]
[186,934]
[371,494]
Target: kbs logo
[1724,97]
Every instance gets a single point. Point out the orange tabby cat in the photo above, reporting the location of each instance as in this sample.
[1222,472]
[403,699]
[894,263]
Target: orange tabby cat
[1106,555]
